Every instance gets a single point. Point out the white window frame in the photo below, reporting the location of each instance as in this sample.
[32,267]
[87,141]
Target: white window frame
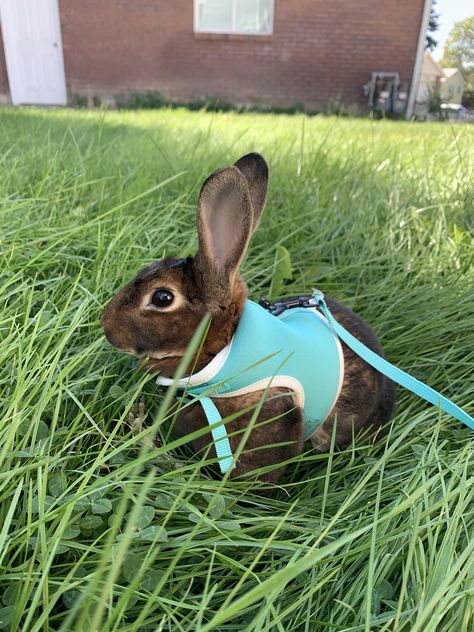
[232,30]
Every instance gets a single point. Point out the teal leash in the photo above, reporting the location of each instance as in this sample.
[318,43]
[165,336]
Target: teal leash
[219,432]
[394,373]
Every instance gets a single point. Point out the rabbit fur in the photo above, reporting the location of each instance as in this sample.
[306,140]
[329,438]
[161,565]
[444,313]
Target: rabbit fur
[229,209]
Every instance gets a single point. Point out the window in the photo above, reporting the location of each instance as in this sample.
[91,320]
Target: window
[248,17]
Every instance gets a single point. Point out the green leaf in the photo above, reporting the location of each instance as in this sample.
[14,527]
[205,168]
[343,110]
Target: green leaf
[150,579]
[217,507]
[6,616]
[282,271]
[88,523]
[318,271]
[24,427]
[79,571]
[26,454]
[57,484]
[418,450]
[370,460]
[111,520]
[102,506]
[70,597]
[10,594]
[117,459]
[71,532]
[385,590]
[228,525]
[146,516]
[131,565]
[133,536]
[35,503]
[97,494]
[82,503]
[42,430]
[46,316]
[194,517]
[116,392]
[154,533]
[62,548]
[32,541]
[375,604]
[164,501]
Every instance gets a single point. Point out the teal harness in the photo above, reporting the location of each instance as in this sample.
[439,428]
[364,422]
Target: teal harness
[297,347]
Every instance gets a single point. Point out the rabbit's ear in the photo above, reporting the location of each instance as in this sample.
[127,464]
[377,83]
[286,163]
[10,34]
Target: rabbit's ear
[255,170]
[224,223]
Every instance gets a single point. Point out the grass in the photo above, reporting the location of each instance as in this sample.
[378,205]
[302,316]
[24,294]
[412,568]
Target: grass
[98,532]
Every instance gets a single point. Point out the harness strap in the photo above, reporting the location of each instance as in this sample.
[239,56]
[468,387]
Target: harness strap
[391,371]
[219,433]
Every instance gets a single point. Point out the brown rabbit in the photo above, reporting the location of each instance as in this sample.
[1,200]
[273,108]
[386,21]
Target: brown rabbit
[156,314]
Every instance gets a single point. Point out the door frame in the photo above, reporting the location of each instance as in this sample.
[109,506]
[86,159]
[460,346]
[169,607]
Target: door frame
[7,23]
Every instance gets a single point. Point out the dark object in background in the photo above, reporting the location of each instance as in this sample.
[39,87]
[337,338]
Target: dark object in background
[385,94]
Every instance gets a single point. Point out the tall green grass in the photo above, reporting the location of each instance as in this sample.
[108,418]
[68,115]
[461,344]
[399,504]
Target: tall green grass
[98,532]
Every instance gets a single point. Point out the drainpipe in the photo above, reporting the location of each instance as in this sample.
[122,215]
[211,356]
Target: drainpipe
[415,78]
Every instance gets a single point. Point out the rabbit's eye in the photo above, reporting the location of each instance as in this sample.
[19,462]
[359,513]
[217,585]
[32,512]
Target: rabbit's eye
[162,298]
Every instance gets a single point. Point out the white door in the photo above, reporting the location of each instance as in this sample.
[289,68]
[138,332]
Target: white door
[33,51]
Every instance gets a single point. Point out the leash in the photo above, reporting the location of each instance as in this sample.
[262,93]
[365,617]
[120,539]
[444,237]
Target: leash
[218,430]
[391,371]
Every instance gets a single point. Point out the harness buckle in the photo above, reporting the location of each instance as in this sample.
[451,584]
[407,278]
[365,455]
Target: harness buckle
[289,303]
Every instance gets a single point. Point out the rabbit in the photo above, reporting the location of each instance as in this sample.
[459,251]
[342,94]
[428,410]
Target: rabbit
[156,314]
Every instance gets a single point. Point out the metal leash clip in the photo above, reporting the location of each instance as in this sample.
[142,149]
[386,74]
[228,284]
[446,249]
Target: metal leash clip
[290,303]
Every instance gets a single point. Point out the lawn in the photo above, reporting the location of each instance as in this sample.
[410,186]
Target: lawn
[99,532]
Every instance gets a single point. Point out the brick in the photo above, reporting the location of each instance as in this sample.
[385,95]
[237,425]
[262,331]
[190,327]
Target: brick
[318,51]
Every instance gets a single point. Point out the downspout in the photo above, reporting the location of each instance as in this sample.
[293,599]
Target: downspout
[415,78]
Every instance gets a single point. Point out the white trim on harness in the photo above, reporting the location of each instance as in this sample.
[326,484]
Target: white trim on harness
[204,375]
[208,372]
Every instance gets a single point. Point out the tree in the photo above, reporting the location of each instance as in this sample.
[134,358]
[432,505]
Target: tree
[433,26]
[459,50]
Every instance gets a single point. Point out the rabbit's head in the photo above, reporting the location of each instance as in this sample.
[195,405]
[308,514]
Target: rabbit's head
[155,315]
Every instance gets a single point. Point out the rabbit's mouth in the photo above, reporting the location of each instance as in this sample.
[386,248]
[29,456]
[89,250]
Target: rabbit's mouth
[163,362]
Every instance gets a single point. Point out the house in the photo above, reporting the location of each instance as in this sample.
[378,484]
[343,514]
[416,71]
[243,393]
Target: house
[448,83]
[430,81]
[452,85]
[274,52]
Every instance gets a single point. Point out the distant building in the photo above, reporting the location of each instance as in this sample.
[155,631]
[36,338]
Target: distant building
[448,82]
[430,80]
[273,52]
[452,85]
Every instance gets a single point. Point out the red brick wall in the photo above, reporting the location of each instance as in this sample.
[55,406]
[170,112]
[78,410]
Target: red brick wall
[320,50]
